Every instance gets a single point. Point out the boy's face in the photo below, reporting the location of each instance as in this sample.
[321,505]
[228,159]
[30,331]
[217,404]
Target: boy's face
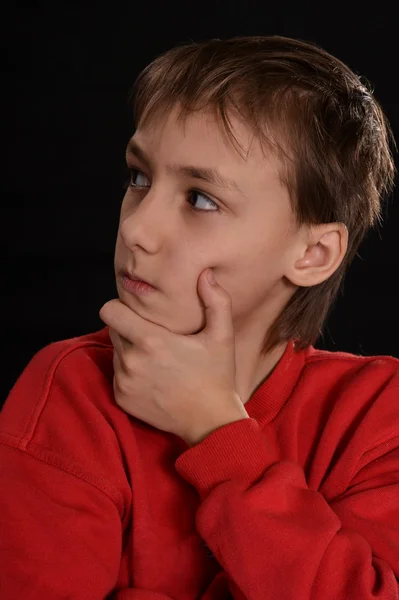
[247,239]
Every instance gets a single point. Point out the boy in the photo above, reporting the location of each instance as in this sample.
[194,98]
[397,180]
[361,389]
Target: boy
[199,446]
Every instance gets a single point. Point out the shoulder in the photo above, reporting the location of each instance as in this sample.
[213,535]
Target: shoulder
[64,385]
[360,393]
[61,413]
[69,351]
[348,366]
[73,355]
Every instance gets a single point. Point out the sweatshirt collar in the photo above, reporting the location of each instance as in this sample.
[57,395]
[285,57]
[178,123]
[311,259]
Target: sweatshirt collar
[271,396]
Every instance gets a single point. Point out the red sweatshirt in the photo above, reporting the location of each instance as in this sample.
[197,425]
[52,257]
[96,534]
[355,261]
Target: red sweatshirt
[301,501]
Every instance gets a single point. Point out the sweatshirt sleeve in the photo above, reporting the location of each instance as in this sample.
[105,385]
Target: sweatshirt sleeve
[60,536]
[275,537]
[61,514]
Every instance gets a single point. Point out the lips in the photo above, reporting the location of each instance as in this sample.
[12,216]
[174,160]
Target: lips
[135,277]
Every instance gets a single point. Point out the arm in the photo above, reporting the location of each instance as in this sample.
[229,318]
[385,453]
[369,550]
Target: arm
[276,538]
[61,512]
[65,546]
[60,535]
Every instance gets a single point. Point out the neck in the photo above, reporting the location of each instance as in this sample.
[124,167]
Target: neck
[252,371]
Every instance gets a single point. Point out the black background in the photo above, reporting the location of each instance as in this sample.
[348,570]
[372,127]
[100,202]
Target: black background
[68,73]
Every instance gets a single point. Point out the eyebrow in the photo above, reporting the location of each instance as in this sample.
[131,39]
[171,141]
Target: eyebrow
[207,174]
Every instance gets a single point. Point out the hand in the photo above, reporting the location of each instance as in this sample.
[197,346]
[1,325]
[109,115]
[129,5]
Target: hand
[182,384]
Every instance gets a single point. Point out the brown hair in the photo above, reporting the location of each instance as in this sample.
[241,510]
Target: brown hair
[309,108]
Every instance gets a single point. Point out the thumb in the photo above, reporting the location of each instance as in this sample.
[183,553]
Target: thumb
[218,308]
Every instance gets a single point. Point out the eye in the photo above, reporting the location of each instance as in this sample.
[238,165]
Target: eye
[129,182]
[192,194]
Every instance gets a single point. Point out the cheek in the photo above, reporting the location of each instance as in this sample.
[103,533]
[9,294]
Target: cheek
[255,270]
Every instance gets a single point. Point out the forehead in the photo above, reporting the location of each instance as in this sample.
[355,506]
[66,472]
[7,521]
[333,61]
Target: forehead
[200,136]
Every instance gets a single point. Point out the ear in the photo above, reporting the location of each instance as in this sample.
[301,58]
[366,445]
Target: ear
[319,252]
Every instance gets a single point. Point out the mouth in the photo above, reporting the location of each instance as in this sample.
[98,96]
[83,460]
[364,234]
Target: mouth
[134,284]
[134,277]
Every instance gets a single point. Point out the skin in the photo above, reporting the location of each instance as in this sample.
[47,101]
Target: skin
[249,239]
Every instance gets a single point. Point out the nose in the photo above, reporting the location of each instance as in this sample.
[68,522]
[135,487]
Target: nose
[145,221]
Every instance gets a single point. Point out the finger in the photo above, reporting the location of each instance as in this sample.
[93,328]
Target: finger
[120,355]
[129,325]
[117,342]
